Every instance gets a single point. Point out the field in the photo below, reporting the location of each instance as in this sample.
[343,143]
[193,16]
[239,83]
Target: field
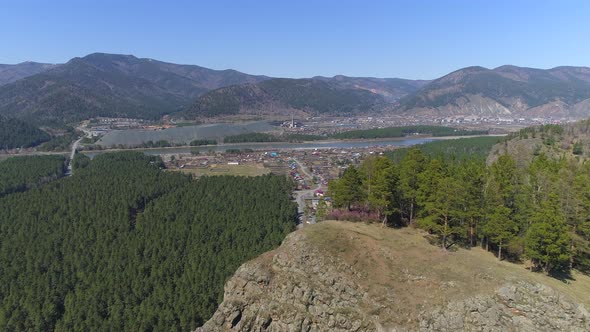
[236,170]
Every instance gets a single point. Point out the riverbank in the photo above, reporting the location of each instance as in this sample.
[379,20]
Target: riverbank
[278,146]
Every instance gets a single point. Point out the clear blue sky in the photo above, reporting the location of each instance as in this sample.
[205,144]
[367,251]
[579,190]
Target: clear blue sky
[410,39]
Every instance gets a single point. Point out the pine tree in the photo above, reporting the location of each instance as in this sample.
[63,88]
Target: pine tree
[500,228]
[503,173]
[379,179]
[471,199]
[347,191]
[547,242]
[439,198]
[321,210]
[409,169]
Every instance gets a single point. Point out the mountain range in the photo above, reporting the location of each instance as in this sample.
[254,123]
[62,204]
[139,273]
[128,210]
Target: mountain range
[126,86]
[282,96]
[112,85]
[12,73]
[506,90]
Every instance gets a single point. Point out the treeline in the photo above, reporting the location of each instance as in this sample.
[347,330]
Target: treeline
[265,137]
[150,144]
[123,246]
[392,132]
[461,148]
[543,131]
[294,138]
[538,213]
[157,144]
[16,133]
[21,173]
[200,142]
[61,142]
[251,137]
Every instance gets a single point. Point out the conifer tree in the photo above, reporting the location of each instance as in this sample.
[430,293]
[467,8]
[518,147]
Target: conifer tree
[347,191]
[409,169]
[547,241]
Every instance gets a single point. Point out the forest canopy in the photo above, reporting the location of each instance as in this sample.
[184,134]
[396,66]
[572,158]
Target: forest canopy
[22,173]
[537,212]
[124,246]
[16,133]
[391,132]
[460,148]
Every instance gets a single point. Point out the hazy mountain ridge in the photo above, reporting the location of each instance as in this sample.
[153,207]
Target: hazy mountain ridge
[390,88]
[506,90]
[12,73]
[112,85]
[102,84]
[281,96]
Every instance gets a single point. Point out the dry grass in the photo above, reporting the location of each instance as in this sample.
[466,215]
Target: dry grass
[403,263]
[237,170]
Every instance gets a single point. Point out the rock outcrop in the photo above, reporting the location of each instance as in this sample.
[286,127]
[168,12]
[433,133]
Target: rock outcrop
[352,277]
[519,306]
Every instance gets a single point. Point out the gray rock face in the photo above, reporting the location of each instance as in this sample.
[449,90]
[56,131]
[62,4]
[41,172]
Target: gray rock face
[302,288]
[520,306]
[296,289]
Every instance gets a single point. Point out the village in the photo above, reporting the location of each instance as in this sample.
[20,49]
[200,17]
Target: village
[311,170]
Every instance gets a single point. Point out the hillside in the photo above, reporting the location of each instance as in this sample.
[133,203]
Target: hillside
[389,88]
[504,91]
[340,276]
[123,85]
[569,141]
[15,133]
[283,96]
[12,73]
[112,85]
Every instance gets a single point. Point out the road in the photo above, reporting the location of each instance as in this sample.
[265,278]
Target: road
[301,195]
[69,170]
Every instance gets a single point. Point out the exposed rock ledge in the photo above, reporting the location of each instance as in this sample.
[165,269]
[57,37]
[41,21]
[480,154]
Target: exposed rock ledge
[356,277]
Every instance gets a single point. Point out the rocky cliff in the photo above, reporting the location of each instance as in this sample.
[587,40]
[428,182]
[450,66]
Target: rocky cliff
[354,277]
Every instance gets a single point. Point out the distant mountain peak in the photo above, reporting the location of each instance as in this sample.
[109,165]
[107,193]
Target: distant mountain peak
[103,84]
[100,55]
[13,73]
[508,89]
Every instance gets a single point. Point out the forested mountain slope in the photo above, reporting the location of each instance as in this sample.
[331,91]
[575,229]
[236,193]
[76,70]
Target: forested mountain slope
[12,73]
[125,246]
[15,133]
[112,85]
[568,141]
[282,96]
[390,88]
[506,90]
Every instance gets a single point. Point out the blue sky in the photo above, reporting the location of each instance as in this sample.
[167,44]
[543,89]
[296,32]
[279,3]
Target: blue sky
[409,39]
